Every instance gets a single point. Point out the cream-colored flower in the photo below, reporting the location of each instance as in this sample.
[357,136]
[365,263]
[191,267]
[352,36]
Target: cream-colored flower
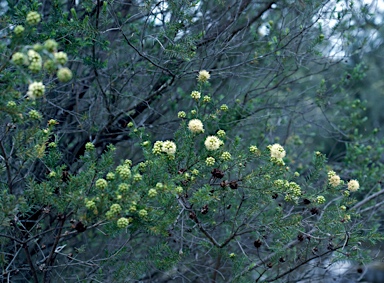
[226,156]
[64,75]
[353,185]
[19,58]
[196,126]
[334,180]
[212,143]
[203,76]
[157,147]
[152,193]
[169,147]
[221,133]
[123,222]
[61,57]
[36,90]
[210,161]
[277,151]
[195,95]
[33,18]
[320,199]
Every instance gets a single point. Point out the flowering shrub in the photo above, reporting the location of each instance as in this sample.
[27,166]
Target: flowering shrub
[206,200]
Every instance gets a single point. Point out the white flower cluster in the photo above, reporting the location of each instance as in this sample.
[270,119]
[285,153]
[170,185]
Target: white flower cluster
[36,90]
[213,143]
[277,151]
[196,126]
[167,147]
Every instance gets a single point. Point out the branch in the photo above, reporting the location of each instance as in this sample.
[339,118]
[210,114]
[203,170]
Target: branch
[364,201]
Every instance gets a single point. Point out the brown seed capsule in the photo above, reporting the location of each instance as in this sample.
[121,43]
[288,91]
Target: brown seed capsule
[80,227]
[281,259]
[229,206]
[192,215]
[275,196]
[217,173]
[314,210]
[269,265]
[65,176]
[306,201]
[181,171]
[257,243]
[204,209]
[233,185]
[300,237]
[223,184]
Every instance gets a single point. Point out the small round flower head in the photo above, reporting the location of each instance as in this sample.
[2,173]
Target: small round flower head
[343,208]
[90,204]
[212,143]
[206,99]
[157,147]
[143,213]
[89,146]
[123,188]
[196,126]
[152,193]
[320,199]
[35,60]
[277,151]
[295,189]
[130,125]
[34,115]
[52,174]
[226,156]
[33,56]
[115,208]
[224,107]
[220,133]
[64,75]
[232,255]
[101,184]
[19,58]
[124,172]
[110,176]
[210,161]
[195,95]
[203,76]
[52,122]
[18,30]
[61,57]
[49,66]
[334,180]
[35,66]
[38,47]
[33,18]
[347,218]
[50,45]
[181,114]
[193,112]
[353,185]
[169,147]
[122,222]
[253,149]
[137,177]
[179,190]
[11,104]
